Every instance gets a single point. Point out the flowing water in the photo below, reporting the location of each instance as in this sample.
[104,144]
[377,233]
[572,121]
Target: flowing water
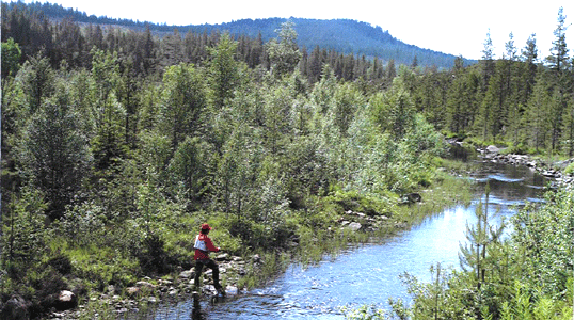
[369,274]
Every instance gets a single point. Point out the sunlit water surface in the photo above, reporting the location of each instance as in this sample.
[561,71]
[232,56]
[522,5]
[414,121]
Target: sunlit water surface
[370,274]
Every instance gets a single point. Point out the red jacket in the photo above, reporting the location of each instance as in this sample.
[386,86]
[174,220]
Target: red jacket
[203,255]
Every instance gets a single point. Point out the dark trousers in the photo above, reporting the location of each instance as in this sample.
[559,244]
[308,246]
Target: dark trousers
[200,264]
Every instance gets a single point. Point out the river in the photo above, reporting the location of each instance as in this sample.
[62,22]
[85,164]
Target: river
[369,274]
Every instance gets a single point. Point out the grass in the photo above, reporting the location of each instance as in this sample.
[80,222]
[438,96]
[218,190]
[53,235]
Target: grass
[102,258]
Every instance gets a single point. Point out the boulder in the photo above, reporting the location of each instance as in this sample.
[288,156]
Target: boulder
[355,226]
[15,308]
[66,300]
[492,149]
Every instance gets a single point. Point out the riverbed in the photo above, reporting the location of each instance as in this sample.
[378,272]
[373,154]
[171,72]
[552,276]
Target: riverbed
[369,274]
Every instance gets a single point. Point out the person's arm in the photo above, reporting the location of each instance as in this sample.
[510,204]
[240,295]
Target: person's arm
[210,245]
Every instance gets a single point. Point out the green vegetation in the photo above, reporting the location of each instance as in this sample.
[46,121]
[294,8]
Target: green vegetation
[526,276]
[108,171]
[117,145]
[343,37]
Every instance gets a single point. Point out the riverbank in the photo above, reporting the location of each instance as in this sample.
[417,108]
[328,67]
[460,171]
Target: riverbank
[343,219]
[558,171]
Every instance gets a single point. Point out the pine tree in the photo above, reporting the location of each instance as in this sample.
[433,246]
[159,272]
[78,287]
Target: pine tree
[284,55]
[55,155]
[10,58]
[559,64]
[537,113]
[475,256]
[224,72]
[487,61]
[183,103]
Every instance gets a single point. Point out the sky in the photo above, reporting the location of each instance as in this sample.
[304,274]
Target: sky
[458,27]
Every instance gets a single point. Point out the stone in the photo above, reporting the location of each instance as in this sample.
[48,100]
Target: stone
[222,257]
[15,308]
[165,282]
[147,285]
[66,300]
[492,149]
[133,291]
[187,274]
[152,300]
[355,226]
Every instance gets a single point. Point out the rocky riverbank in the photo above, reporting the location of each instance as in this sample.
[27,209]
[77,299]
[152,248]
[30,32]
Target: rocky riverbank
[357,220]
[177,287]
[552,170]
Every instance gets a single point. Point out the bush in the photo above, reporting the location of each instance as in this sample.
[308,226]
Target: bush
[151,254]
[569,169]
[60,263]
[261,236]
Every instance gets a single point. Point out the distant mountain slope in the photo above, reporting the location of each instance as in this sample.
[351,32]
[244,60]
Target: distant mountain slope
[343,35]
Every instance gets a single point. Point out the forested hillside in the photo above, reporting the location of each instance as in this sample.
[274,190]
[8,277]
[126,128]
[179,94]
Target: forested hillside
[341,35]
[117,144]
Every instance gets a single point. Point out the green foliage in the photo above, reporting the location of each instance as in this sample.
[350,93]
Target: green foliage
[54,156]
[127,157]
[365,313]
[10,58]
[190,165]
[224,72]
[394,110]
[183,103]
[285,55]
[525,277]
[23,234]
[36,80]
[540,229]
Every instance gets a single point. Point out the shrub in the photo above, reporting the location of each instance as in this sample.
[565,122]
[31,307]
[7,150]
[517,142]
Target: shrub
[569,169]
[60,263]
[151,254]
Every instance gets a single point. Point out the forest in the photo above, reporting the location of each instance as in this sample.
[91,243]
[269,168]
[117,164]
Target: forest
[340,35]
[117,144]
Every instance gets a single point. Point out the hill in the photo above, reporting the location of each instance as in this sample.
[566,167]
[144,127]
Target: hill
[342,35]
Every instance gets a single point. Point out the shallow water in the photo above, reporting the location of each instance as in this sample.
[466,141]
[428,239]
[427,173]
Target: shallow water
[369,274]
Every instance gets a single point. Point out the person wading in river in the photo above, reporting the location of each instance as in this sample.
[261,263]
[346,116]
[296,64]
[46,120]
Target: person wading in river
[203,246]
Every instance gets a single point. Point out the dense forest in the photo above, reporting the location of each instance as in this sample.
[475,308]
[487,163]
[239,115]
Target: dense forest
[340,35]
[117,144]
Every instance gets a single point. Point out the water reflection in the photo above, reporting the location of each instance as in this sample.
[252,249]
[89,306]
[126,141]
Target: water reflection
[369,274]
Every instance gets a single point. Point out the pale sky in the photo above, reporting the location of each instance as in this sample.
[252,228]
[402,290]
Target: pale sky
[451,26]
